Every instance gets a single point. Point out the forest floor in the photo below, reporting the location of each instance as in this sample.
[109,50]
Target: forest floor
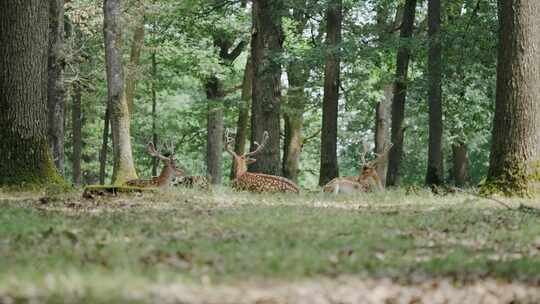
[187,246]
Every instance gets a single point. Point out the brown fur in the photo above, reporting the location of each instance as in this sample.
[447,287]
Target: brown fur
[166,176]
[367,181]
[256,182]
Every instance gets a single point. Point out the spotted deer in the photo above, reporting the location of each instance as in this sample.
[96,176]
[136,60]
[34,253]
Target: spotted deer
[167,175]
[189,181]
[367,181]
[255,182]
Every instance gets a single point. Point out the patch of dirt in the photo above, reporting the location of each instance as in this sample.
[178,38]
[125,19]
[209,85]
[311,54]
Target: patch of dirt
[347,290]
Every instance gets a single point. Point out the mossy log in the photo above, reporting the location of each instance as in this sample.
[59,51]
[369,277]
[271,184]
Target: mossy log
[92,191]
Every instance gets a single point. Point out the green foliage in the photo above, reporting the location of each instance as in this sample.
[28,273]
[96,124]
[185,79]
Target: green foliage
[181,36]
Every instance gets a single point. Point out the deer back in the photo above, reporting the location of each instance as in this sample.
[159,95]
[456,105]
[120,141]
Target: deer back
[345,185]
[258,182]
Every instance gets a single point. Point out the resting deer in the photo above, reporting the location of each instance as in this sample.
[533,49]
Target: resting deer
[168,173]
[255,182]
[366,181]
[189,181]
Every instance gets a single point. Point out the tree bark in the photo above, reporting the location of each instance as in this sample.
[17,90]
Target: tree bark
[329,163]
[132,73]
[76,121]
[266,45]
[123,167]
[460,165]
[25,157]
[104,146]
[435,171]
[400,94]
[56,92]
[382,130]
[215,125]
[515,151]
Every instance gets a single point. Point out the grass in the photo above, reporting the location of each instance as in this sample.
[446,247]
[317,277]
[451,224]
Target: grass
[64,249]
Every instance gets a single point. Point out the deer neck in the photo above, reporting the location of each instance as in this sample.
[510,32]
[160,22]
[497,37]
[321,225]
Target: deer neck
[167,174]
[240,168]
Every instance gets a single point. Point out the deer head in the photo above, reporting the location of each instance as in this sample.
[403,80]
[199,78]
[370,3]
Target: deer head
[369,169]
[169,162]
[240,162]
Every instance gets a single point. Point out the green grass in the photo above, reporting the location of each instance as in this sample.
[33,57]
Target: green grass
[68,249]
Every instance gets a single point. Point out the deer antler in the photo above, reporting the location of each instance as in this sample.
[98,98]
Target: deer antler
[229,140]
[259,146]
[152,151]
[169,146]
[363,153]
[381,156]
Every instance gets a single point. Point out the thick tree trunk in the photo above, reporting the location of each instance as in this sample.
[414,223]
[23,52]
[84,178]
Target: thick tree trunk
[515,151]
[329,163]
[76,121]
[400,94]
[435,172]
[25,157]
[266,44]
[382,130]
[155,161]
[460,165]
[132,73]
[123,167]
[56,92]
[104,146]
[215,125]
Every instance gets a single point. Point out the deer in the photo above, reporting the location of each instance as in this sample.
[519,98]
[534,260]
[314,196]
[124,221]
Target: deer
[167,175]
[255,182]
[366,181]
[189,181]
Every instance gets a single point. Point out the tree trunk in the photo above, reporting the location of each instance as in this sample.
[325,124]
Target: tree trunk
[215,124]
[298,75]
[77,133]
[55,92]
[382,130]
[266,45]
[435,172]
[155,161]
[460,166]
[243,110]
[123,167]
[132,74]
[25,157]
[243,113]
[214,142]
[329,163]
[514,166]
[400,94]
[104,147]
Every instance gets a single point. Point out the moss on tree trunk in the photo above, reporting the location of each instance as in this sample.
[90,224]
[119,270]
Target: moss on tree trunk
[25,159]
[515,152]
